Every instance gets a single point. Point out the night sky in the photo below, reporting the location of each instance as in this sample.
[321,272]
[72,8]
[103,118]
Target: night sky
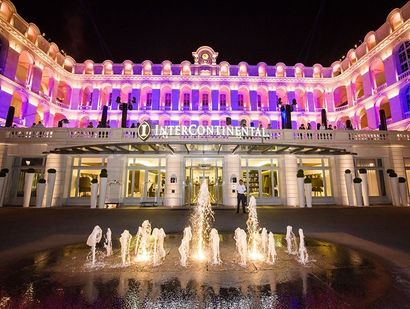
[308,32]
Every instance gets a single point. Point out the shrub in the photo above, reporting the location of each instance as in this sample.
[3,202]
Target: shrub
[4,170]
[357,180]
[348,171]
[393,174]
[308,180]
[300,174]
[51,171]
[41,180]
[3,174]
[103,173]
[362,171]
[389,170]
[94,180]
[402,179]
[31,171]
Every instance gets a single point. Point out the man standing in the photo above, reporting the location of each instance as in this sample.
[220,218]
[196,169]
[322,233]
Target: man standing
[241,189]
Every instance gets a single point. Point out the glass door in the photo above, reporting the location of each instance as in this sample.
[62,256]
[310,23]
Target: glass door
[196,173]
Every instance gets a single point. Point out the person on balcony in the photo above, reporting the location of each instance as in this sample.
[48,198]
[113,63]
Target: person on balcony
[40,125]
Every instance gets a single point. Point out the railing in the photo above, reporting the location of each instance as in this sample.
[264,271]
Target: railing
[404,75]
[381,87]
[341,108]
[84,107]
[74,136]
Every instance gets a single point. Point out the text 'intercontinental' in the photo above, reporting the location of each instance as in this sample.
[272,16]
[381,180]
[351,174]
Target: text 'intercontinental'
[195,130]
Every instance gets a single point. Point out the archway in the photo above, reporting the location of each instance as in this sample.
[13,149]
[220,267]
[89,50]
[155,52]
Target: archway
[377,73]
[340,96]
[358,87]
[24,67]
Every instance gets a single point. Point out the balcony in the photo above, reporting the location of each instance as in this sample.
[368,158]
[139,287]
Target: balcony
[335,141]
[381,88]
[165,108]
[84,107]
[341,108]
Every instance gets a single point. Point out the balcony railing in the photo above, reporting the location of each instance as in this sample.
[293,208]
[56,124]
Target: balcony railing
[404,75]
[84,107]
[65,137]
[341,108]
[381,87]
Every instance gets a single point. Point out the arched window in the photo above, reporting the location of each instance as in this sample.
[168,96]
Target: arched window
[404,57]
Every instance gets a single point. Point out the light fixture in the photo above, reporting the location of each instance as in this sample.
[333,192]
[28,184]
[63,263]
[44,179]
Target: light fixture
[28,162]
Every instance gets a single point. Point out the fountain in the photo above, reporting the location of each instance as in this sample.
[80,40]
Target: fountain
[184,247]
[142,242]
[291,241]
[108,243]
[201,226]
[271,254]
[214,247]
[241,246]
[125,241]
[93,240]
[303,256]
[158,251]
[254,238]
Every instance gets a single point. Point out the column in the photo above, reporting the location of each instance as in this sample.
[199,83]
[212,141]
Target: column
[231,172]
[234,100]
[253,97]
[372,118]
[310,102]
[175,99]
[155,99]
[396,108]
[75,98]
[11,64]
[61,189]
[390,70]
[290,183]
[273,100]
[36,81]
[195,99]
[116,165]
[367,84]
[329,101]
[95,99]
[174,193]
[350,95]
[215,99]
[342,162]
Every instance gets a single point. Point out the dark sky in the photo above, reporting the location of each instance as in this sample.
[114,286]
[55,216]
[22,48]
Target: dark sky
[310,32]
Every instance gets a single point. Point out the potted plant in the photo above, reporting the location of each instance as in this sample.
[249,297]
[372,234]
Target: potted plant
[301,192]
[308,191]
[94,191]
[394,182]
[40,190]
[103,188]
[5,171]
[51,180]
[28,183]
[403,191]
[365,186]
[349,186]
[2,183]
[357,183]
[389,170]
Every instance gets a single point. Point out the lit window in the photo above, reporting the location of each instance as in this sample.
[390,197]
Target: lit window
[149,100]
[222,101]
[404,57]
[240,101]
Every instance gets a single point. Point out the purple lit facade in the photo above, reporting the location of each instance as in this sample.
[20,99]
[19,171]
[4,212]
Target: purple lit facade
[44,84]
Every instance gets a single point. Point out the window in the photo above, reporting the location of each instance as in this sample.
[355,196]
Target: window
[205,98]
[222,101]
[240,101]
[24,164]
[84,170]
[129,97]
[319,171]
[167,102]
[261,177]
[145,177]
[375,175]
[187,101]
[259,101]
[148,103]
[407,167]
[404,57]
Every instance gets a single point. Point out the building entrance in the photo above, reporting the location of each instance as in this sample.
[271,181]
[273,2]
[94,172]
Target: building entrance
[199,170]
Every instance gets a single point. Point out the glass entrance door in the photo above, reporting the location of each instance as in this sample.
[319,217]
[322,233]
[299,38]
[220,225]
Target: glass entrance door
[198,171]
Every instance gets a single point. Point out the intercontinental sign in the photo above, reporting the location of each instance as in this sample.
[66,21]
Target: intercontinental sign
[145,131]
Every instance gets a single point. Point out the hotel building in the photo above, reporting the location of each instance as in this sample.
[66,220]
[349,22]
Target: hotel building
[203,119]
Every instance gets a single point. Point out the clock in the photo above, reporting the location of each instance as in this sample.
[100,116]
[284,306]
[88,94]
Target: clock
[205,56]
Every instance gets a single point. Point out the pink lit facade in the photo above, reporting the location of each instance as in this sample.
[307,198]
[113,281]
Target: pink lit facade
[44,84]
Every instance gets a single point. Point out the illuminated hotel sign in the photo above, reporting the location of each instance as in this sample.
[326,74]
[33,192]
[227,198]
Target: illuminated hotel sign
[144,131]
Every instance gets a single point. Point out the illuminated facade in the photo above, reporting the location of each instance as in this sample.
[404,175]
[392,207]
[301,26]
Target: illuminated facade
[42,83]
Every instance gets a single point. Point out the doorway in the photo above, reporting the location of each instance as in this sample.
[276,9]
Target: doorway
[199,170]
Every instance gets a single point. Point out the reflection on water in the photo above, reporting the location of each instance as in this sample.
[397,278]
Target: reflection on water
[57,279]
